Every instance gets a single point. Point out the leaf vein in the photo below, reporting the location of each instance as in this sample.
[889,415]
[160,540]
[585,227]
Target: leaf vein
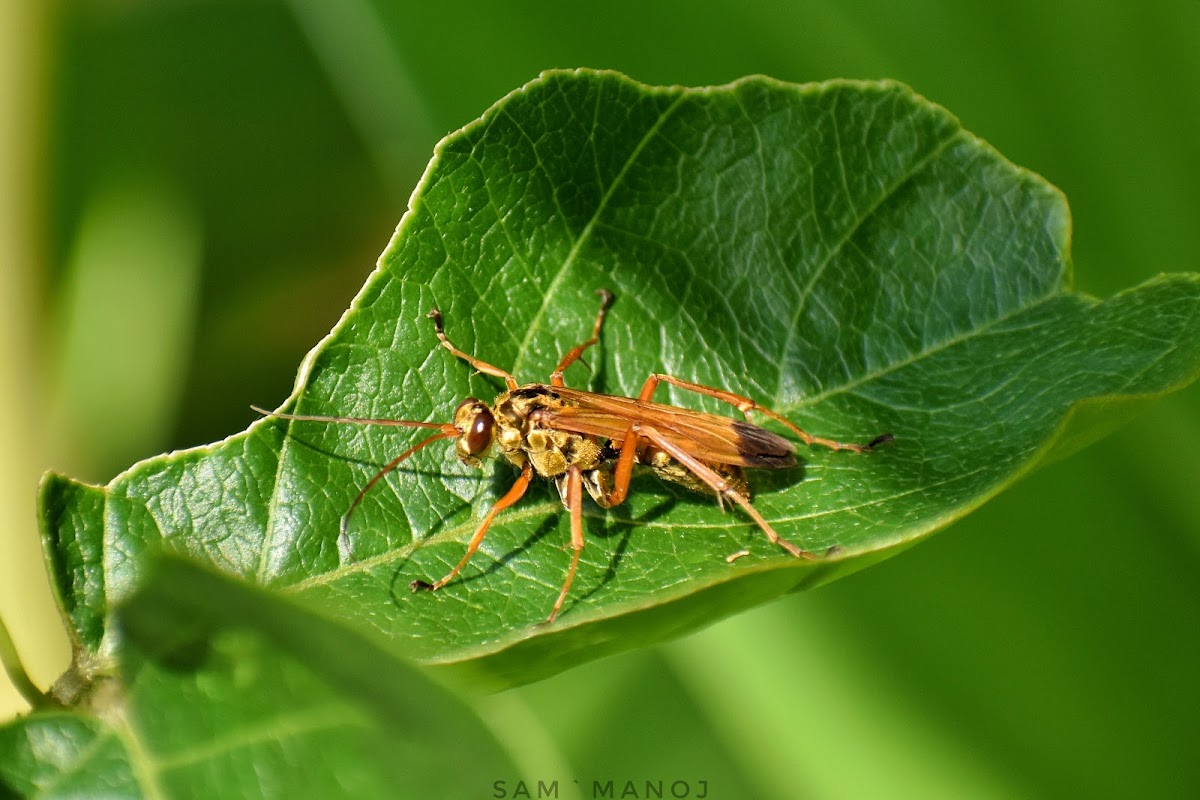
[807,292]
[585,234]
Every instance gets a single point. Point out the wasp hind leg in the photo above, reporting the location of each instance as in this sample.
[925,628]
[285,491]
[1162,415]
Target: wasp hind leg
[720,485]
[746,405]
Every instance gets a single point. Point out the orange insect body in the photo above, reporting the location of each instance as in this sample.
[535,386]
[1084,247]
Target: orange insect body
[588,441]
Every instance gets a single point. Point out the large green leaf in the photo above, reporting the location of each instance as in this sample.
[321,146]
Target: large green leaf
[844,253]
[221,690]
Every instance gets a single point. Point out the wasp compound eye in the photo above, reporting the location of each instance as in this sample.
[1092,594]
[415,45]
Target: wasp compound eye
[479,435]
[476,426]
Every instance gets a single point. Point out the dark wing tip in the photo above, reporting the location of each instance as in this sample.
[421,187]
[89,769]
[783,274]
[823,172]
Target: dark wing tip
[763,449]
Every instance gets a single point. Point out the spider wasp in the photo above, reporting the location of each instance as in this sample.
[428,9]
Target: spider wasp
[590,442]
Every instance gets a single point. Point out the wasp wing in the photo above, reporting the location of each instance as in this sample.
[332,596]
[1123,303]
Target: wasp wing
[709,437]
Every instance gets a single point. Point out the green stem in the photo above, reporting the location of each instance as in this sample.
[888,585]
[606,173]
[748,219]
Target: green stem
[16,672]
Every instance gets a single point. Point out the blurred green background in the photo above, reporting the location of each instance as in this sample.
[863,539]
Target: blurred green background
[193,192]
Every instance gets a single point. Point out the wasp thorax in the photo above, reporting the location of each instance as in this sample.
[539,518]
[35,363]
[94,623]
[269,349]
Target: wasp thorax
[476,427]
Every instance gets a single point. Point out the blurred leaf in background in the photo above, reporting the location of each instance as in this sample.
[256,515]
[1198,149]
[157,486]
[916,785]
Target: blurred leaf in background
[223,690]
[1040,647]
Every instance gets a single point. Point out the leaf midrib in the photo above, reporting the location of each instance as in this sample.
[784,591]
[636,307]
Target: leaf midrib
[535,323]
[937,347]
[543,508]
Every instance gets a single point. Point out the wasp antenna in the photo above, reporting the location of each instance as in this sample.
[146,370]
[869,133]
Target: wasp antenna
[445,427]
[391,465]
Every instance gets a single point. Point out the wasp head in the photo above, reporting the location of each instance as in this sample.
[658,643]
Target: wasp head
[476,429]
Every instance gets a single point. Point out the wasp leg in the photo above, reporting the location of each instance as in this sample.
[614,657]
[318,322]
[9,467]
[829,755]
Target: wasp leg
[574,496]
[556,377]
[718,484]
[623,472]
[482,366]
[746,405]
[514,494]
